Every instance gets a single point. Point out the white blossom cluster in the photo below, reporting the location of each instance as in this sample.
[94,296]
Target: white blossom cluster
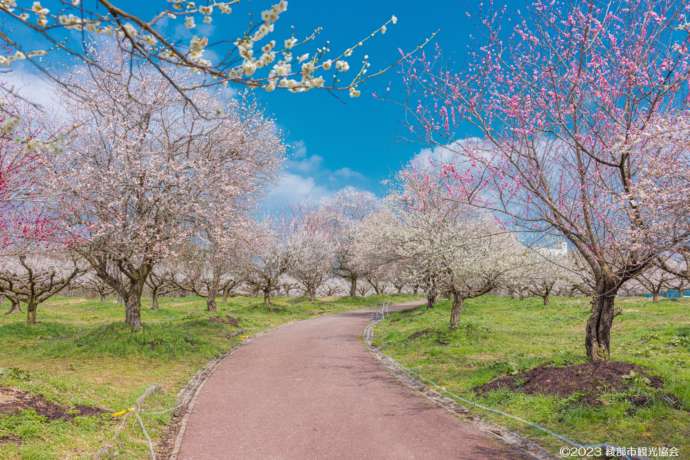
[281,65]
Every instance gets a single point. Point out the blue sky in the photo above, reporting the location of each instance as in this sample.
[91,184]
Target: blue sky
[364,141]
[337,141]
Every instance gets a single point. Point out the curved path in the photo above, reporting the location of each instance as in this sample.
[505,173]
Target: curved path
[312,390]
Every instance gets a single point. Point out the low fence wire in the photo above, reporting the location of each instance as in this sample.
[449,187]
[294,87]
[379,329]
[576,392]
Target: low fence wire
[369,336]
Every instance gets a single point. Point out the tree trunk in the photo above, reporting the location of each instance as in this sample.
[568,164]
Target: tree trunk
[456,310]
[154,299]
[311,294]
[415,290]
[133,305]
[546,297]
[213,290]
[598,331]
[128,289]
[267,297]
[101,297]
[15,306]
[353,286]
[655,296]
[430,298]
[31,308]
[211,300]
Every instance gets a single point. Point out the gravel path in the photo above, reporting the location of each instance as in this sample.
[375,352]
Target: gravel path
[312,390]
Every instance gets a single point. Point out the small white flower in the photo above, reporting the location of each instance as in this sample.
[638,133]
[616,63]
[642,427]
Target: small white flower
[249,67]
[290,43]
[131,31]
[308,68]
[342,66]
[327,64]
[189,22]
[394,19]
[281,6]
[235,74]
[268,46]
[354,92]
[262,32]
[282,69]
[246,53]
[317,82]
[269,16]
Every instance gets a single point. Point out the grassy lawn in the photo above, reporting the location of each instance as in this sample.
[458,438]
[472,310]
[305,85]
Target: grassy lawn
[499,336]
[81,353]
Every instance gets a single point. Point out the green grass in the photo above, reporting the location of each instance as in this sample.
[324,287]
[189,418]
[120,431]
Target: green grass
[499,336]
[81,353]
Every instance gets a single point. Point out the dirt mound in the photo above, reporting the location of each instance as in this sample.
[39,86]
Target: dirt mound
[10,439]
[420,333]
[13,400]
[231,320]
[591,380]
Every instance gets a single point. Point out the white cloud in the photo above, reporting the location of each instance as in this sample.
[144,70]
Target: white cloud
[35,88]
[292,190]
[305,181]
[453,153]
[347,173]
[299,150]
[310,164]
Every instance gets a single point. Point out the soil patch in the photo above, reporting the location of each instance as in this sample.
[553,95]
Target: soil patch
[13,400]
[269,308]
[420,333]
[231,320]
[10,439]
[591,380]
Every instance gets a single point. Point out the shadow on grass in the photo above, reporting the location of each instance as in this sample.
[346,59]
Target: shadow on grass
[161,340]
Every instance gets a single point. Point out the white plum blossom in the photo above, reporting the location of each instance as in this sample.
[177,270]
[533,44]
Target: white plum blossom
[156,42]
[167,173]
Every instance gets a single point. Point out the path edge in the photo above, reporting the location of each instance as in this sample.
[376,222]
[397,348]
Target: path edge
[408,380]
[169,446]
[171,443]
